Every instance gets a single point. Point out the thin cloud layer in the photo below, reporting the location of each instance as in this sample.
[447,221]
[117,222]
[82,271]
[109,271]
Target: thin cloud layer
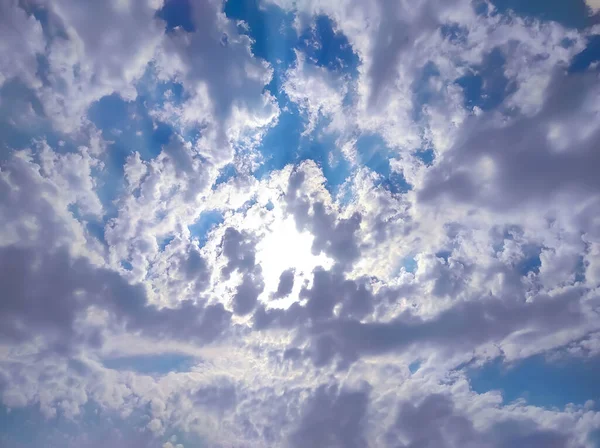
[327,224]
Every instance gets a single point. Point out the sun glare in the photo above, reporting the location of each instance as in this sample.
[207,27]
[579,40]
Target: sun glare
[285,248]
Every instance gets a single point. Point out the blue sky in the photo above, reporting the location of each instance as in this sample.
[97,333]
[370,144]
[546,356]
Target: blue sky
[269,223]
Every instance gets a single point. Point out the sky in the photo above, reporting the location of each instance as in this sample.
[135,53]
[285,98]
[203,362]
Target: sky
[299,223]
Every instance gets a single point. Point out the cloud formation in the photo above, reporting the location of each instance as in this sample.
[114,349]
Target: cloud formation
[308,223]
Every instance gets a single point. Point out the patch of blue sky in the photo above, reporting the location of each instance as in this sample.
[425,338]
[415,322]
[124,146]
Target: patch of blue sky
[278,146]
[531,261]
[126,265]
[128,128]
[20,426]
[94,226]
[96,229]
[156,92]
[569,13]
[594,438]
[275,40]
[407,264]
[427,156]
[204,224]
[326,47]
[591,54]
[410,264]
[229,171]
[247,205]
[486,86]
[28,427]
[151,364]
[177,14]
[129,125]
[375,155]
[164,242]
[541,382]
[346,193]
[414,366]
[323,149]
[481,7]
[444,255]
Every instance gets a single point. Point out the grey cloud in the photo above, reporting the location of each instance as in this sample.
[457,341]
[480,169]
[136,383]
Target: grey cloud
[219,396]
[22,40]
[336,237]
[462,327]
[27,307]
[511,433]
[473,319]
[197,172]
[435,422]
[247,293]
[184,268]
[227,71]
[196,270]
[330,288]
[216,54]
[84,59]
[395,36]
[286,284]
[292,317]
[528,169]
[240,250]
[43,294]
[322,297]
[333,417]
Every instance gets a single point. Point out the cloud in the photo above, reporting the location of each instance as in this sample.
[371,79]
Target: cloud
[286,284]
[594,5]
[334,418]
[72,287]
[22,40]
[435,421]
[335,237]
[87,60]
[302,227]
[545,168]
